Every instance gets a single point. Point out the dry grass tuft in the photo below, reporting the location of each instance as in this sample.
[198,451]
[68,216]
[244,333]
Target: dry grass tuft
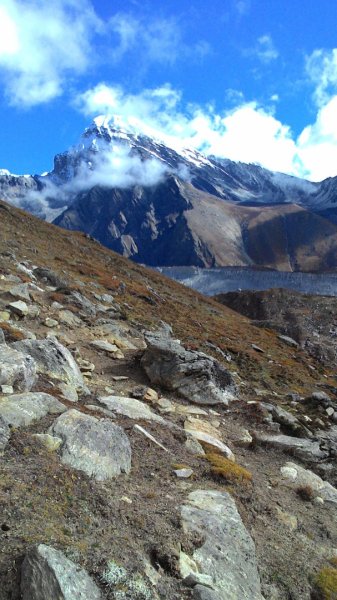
[231,472]
[326,584]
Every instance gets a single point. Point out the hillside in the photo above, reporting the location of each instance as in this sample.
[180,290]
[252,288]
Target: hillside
[149,520]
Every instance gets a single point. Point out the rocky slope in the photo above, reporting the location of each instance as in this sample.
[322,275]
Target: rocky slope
[164,205]
[137,466]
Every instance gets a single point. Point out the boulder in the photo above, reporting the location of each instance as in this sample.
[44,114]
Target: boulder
[303,448]
[19,308]
[17,369]
[19,410]
[20,291]
[227,554]
[194,375]
[98,447]
[47,574]
[296,476]
[54,360]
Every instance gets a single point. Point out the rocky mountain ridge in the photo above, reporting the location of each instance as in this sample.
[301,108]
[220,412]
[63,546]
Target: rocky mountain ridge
[163,205]
[187,459]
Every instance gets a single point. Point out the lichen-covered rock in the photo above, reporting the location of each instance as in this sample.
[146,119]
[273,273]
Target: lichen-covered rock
[130,407]
[18,410]
[47,574]
[98,447]
[194,375]
[54,360]
[17,369]
[227,554]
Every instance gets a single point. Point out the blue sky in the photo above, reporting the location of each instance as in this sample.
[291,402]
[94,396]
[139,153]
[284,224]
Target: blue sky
[252,80]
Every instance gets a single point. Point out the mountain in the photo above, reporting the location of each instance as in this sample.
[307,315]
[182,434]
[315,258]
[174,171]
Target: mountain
[162,205]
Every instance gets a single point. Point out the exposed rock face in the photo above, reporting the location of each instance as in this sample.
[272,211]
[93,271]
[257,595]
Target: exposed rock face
[53,360]
[49,575]
[195,375]
[17,369]
[228,552]
[307,450]
[97,447]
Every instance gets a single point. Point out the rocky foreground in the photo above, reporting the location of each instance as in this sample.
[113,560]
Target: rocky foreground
[153,443]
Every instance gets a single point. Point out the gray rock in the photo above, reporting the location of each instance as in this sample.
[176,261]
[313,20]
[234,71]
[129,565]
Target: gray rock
[68,318]
[285,418]
[47,574]
[20,291]
[227,553]
[98,447]
[195,375]
[19,308]
[83,303]
[54,360]
[288,340]
[307,450]
[17,369]
[19,410]
[45,274]
[130,407]
[297,476]
[2,337]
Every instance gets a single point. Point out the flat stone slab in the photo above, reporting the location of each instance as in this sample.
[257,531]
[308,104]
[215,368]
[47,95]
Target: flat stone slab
[304,448]
[53,359]
[130,407]
[296,476]
[226,560]
[96,446]
[47,574]
[17,369]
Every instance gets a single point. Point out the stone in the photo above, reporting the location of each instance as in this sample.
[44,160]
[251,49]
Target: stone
[49,276]
[130,407]
[50,442]
[330,411]
[204,432]
[181,409]
[149,437]
[183,473]
[17,369]
[288,340]
[257,348]
[319,397]
[5,315]
[20,291]
[305,449]
[86,306]
[54,360]
[104,345]
[2,337]
[193,446]
[19,410]
[189,572]
[296,476]
[96,446]
[285,418]
[51,322]
[7,389]
[66,317]
[243,439]
[194,375]
[47,574]
[19,308]
[68,392]
[227,554]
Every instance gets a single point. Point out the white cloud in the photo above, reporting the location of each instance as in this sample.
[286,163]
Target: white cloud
[321,67]
[246,133]
[42,42]
[265,49]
